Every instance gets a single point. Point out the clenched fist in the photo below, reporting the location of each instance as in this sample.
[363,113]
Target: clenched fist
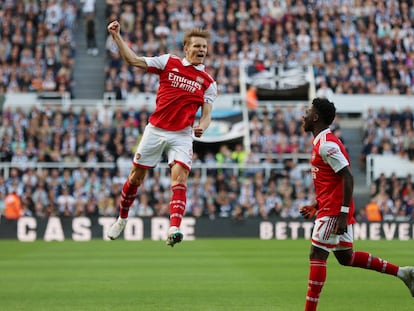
[114,28]
[198,131]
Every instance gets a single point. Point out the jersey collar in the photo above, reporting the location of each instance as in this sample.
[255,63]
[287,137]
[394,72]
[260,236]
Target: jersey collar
[187,63]
[318,137]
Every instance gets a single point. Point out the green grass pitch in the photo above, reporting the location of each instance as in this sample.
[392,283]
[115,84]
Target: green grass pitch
[205,274]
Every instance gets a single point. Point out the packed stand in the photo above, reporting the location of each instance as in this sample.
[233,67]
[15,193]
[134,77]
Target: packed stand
[37,47]
[355,47]
[77,146]
[388,132]
[391,199]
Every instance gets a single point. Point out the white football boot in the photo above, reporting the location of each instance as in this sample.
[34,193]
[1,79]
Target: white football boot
[407,275]
[174,236]
[116,229]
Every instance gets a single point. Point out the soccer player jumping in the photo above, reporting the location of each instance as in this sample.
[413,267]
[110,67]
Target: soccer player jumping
[334,207]
[184,87]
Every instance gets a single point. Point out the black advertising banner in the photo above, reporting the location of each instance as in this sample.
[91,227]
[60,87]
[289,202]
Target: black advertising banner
[29,229]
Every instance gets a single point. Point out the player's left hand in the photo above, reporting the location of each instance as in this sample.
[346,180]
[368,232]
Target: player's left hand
[341,224]
[198,131]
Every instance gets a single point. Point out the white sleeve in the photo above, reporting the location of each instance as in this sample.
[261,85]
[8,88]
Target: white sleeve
[332,154]
[211,93]
[158,62]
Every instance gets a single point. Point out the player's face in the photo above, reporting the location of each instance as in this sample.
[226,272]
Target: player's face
[308,119]
[196,50]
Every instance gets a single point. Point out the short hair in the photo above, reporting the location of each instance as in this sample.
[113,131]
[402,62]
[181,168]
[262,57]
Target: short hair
[326,109]
[196,32]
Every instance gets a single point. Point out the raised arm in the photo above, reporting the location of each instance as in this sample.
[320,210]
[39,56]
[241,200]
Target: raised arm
[127,54]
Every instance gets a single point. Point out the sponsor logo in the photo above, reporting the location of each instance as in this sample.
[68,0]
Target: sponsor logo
[184,83]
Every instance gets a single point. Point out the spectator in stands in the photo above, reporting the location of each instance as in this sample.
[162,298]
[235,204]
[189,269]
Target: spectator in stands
[408,144]
[224,156]
[66,203]
[90,32]
[225,205]
[89,7]
[39,195]
[373,211]
[13,206]
[324,90]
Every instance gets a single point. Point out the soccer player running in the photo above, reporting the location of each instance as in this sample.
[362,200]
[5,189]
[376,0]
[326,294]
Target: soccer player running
[334,207]
[184,87]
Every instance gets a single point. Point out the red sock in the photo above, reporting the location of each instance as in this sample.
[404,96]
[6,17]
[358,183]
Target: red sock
[317,277]
[128,194]
[367,261]
[177,204]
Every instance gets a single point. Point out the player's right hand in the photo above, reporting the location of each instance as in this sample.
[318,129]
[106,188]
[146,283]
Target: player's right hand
[113,27]
[308,211]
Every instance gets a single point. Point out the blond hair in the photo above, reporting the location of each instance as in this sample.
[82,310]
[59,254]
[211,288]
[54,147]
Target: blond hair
[195,32]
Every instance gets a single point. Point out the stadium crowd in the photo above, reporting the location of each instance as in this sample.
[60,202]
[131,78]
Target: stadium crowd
[389,132]
[355,47]
[84,140]
[37,46]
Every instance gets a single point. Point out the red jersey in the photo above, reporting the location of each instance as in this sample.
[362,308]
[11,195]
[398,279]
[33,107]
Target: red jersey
[183,89]
[328,157]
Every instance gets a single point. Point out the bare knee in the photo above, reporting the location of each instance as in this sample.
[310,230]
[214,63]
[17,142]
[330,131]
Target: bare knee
[344,257]
[179,174]
[318,253]
[137,175]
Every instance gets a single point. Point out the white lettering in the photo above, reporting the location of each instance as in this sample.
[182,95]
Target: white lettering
[266,230]
[106,223]
[81,229]
[375,231]
[389,230]
[134,230]
[26,229]
[187,88]
[294,227]
[307,227]
[54,230]
[188,228]
[404,231]
[159,228]
[184,83]
[280,230]
[360,231]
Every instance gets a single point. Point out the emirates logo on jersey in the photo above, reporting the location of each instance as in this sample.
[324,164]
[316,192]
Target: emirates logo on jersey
[175,69]
[200,80]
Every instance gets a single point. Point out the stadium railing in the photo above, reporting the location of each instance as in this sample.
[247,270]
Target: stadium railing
[205,169]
